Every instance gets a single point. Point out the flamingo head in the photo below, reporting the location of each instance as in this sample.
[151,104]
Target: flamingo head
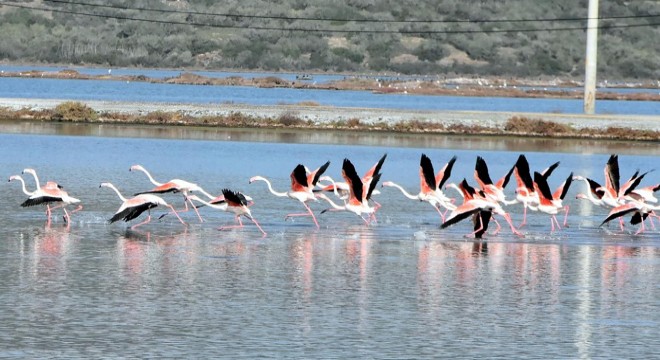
[581,196]
[578,178]
[15,177]
[256,178]
[29,171]
[387,183]
[136,168]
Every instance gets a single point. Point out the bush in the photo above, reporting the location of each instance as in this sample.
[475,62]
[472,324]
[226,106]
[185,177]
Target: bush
[73,111]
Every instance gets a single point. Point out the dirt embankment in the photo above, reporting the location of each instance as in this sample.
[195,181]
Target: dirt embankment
[305,116]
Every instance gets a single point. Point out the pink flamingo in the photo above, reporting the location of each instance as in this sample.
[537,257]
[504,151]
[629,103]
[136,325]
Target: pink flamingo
[301,188]
[234,202]
[135,206]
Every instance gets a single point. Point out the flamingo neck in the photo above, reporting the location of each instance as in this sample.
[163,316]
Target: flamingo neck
[23,185]
[117,191]
[153,181]
[36,178]
[332,203]
[403,191]
[270,188]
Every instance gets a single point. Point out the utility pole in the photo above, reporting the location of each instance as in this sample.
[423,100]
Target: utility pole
[590,59]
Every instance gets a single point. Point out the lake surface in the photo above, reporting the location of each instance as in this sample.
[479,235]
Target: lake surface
[401,288]
[203,94]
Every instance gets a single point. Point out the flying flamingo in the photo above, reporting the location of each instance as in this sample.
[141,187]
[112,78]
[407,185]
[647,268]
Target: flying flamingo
[474,205]
[46,195]
[551,203]
[360,192]
[595,193]
[174,185]
[234,202]
[301,188]
[135,206]
[430,185]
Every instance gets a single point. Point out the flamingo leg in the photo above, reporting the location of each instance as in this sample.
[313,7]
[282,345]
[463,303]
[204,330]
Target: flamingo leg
[621,223]
[239,226]
[309,213]
[566,216]
[651,215]
[641,228]
[257,224]
[442,216]
[175,214]
[481,227]
[507,217]
[142,223]
[187,199]
[524,221]
[499,227]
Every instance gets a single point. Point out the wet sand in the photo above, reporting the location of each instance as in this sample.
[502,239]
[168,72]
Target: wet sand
[327,115]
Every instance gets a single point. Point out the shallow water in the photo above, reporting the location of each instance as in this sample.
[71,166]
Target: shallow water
[399,288]
[42,88]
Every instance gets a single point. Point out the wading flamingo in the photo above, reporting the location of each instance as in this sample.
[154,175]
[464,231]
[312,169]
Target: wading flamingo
[51,193]
[233,202]
[135,206]
[301,188]
[474,203]
[360,192]
[430,185]
[551,203]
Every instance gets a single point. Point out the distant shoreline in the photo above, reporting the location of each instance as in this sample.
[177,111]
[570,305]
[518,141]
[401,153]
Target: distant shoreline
[551,125]
[450,86]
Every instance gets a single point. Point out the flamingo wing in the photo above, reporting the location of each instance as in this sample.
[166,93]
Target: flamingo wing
[444,173]
[426,175]
[354,182]
[162,189]
[372,185]
[313,178]
[544,189]
[522,173]
[460,213]
[631,184]
[234,198]
[481,173]
[501,183]
[548,171]
[561,191]
[38,200]
[468,191]
[619,211]
[612,174]
[374,169]
[299,178]
[131,212]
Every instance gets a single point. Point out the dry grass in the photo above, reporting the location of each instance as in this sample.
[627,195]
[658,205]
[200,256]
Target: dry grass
[74,111]
[523,125]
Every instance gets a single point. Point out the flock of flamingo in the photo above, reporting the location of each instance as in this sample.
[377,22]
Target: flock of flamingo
[481,204]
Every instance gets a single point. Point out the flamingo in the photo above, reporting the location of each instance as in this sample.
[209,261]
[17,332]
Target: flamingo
[360,192]
[49,185]
[637,207]
[174,185]
[494,191]
[647,193]
[551,203]
[474,205]
[135,206]
[525,191]
[301,188]
[46,195]
[232,201]
[342,189]
[430,185]
[594,195]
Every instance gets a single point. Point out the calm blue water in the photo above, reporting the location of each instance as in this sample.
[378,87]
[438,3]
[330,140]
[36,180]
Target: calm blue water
[149,92]
[399,289]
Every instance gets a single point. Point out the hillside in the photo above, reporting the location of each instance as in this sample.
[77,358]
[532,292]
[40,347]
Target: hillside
[410,37]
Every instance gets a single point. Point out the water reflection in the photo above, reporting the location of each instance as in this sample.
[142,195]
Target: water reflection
[337,138]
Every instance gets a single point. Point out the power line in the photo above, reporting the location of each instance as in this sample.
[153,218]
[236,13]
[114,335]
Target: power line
[293,18]
[337,31]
